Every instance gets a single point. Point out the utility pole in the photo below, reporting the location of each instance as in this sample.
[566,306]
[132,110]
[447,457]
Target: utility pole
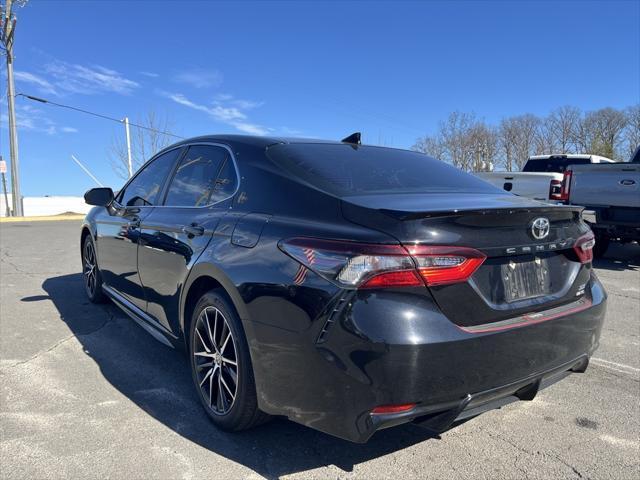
[6,37]
[129,164]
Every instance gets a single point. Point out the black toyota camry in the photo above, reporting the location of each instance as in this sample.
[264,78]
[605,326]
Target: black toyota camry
[349,288]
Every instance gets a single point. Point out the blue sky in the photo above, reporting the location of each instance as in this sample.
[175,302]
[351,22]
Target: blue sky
[391,70]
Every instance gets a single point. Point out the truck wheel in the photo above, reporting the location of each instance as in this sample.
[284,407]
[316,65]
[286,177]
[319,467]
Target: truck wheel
[602,244]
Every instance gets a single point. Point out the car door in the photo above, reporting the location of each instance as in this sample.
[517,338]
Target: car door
[174,235]
[118,232]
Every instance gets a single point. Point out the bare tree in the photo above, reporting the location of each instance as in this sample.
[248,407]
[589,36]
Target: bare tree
[583,135]
[473,145]
[525,130]
[432,146]
[545,138]
[518,139]
[507,140]
[601,132]
[563,122]
[463,141]
[145,142]
[483,140]
[632,130]
[454,132]
[609,125]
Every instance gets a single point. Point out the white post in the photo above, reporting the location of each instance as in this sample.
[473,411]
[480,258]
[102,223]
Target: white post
[86,170]
[129,164]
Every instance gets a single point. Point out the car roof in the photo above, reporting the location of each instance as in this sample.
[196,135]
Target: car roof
[252,140]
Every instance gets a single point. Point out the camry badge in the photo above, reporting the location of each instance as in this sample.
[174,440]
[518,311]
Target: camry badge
[540,228]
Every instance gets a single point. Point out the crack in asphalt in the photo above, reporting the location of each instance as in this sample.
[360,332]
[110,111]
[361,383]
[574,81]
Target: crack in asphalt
[528,452]
[32,274]
[19,271]
[564,462]
[622,295]
[4,258]
[110,319]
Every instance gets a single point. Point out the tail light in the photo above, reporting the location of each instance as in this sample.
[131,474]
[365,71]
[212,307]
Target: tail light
[565,186]
[444,265]
[555,190]
[584,247]
[358,266]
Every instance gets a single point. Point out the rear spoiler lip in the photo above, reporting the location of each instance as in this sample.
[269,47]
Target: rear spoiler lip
[412,215]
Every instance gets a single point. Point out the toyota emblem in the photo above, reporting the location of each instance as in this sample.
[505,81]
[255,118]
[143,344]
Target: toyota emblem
[540,228]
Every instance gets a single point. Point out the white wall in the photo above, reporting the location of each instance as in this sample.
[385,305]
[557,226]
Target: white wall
[35,206]
[3,209]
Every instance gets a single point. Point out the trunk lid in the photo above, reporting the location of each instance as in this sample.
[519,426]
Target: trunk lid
[521,274]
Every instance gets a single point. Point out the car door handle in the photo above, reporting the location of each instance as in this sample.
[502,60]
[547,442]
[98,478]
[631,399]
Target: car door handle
[193,230]
[134,222]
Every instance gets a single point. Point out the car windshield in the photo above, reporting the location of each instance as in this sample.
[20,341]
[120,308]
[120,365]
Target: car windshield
[343,170]
[553,165]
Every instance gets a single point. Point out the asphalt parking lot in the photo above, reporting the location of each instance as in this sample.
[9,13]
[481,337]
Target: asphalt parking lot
[86,393]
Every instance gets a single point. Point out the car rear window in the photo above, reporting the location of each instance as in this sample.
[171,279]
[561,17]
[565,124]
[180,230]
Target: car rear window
[344,170]
[554,165]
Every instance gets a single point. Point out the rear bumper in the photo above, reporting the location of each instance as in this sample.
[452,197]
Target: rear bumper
[396,347]
[439,417]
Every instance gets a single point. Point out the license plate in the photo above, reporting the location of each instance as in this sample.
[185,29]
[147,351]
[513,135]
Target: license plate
[525,279]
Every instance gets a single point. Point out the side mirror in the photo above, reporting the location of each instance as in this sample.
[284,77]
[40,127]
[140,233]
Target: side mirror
[101,197]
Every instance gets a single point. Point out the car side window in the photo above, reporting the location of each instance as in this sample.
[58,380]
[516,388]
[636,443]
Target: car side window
[144,190]
[226,182]
[202,177]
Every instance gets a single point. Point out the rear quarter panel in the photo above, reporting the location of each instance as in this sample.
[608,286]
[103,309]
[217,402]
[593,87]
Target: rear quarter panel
[281,317]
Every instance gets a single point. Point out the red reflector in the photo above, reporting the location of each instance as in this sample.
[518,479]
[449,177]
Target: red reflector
[406,278]
[393,409]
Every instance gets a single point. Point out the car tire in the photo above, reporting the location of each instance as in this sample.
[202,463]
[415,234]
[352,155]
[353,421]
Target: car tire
[230,407]
[91,276]
[601,246]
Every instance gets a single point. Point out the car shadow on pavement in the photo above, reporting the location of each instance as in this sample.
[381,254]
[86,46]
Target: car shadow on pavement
[620,257]
[157,379]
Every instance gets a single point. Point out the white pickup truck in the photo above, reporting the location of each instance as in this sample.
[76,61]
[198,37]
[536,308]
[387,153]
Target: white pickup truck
[543,176]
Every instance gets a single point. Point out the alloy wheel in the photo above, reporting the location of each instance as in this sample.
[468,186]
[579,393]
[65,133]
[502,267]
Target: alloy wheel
[89,268]
[216,360]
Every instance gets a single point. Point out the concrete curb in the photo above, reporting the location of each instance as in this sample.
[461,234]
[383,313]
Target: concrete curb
[49,218]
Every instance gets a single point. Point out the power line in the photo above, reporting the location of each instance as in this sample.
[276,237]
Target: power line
[95,114]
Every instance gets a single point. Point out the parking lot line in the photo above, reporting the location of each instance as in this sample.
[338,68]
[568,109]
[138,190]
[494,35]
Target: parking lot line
[618,367]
